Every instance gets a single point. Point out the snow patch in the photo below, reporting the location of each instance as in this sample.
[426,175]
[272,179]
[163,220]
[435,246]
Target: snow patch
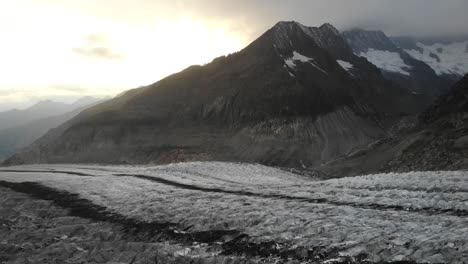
[443,58]
[386,60]
[291,62]
[345,65]
[298,57]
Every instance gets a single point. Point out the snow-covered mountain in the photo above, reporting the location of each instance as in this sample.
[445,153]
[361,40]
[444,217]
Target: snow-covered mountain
[397,64]
[376,90]
[446,55]
[296,96]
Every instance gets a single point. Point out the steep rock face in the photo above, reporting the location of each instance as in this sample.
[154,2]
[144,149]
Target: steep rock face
[443,143]
[397,65]
[290,98]
[371,86]
[455,102]
[325,138]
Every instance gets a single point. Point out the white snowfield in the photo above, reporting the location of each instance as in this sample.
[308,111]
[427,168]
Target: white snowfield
[386,60]
[418,216]
[345,65]
[449,58]
[291,62]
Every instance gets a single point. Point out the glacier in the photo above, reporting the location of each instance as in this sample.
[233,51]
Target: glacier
[416,216]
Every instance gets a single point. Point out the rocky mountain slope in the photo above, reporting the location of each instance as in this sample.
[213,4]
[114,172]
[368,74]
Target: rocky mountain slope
[296,96]
[436,141]
[443,143]
[397,65]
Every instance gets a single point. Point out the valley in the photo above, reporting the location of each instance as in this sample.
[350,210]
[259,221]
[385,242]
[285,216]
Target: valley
[302,145]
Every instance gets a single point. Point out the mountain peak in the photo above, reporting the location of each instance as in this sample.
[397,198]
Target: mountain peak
[289,80]
[283,34]
[291,24]
[46,104]
[329,27]
[361,40]
[85,100]
[375,35]
[284,31]
[286,23]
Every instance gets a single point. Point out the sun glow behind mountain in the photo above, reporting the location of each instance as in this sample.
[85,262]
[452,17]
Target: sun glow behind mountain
[62,49]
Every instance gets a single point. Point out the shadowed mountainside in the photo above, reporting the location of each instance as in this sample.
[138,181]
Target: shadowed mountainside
[297,96]
[437,141]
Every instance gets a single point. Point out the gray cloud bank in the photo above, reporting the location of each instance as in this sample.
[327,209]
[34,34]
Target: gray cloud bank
[253,17]
[395,17]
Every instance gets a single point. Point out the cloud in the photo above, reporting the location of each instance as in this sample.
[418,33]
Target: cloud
[72,88]
[67,89]
[97,46]
[396,17]
[146,35]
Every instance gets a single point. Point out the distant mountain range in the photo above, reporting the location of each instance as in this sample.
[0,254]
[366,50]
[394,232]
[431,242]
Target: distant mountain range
[25,126]
[298,96]
[39,110]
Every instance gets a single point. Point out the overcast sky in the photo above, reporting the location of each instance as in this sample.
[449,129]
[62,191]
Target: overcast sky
[64,49]
[395,17]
